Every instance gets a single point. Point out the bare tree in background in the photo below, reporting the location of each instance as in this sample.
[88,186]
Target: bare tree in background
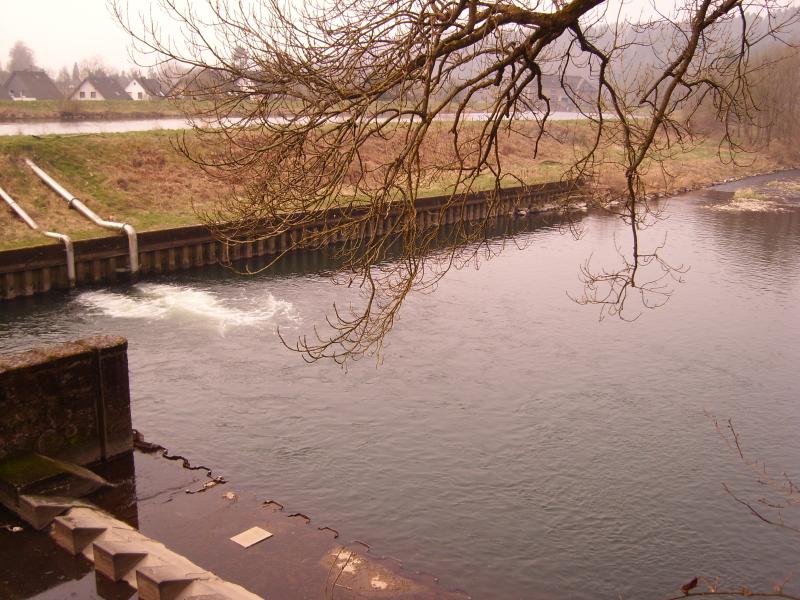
[94,65]
[358,106]
[20,58]
[778,118]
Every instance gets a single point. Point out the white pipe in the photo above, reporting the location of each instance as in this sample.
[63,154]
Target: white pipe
[57,236]
[133,244]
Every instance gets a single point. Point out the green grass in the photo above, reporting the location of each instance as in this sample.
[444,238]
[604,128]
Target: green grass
[11,110]
[135,178]
[790,187]
[749,194]
[138,177]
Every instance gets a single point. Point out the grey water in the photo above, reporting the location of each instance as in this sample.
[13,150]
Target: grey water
[78,127]
[510,442]
[89,126]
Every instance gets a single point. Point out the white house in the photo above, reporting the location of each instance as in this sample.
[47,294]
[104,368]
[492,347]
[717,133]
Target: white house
[144,88]
[96,87]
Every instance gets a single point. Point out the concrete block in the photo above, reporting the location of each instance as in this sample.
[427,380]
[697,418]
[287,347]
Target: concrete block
[115,559]
[75,538]
[69,401]
[165,582]
[39,512]
[83,525]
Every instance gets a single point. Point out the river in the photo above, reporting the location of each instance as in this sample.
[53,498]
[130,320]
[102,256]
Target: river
[510,442]
[75,127]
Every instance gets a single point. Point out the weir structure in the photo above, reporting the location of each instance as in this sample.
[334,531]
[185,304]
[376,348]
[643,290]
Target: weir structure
[39,269]
[66,407]
[69,473]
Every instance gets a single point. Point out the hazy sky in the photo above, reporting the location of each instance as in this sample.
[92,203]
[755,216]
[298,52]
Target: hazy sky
[61,32]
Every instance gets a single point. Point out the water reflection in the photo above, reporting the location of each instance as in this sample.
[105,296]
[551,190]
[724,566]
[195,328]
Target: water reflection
[73,127]
[753,237]
[125,125]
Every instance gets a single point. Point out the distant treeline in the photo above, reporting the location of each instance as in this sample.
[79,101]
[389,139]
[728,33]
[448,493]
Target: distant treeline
[772,116]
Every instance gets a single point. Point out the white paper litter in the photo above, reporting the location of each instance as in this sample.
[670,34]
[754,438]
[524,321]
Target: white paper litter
[251,537]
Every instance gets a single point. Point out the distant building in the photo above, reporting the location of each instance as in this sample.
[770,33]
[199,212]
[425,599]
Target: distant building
[96,87]
[200,83]
[30,85]
[144,88]
[553,89]
[569,92]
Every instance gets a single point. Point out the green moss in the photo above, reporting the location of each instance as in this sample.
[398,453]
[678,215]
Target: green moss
[749,194]
[26,469]
[790,187]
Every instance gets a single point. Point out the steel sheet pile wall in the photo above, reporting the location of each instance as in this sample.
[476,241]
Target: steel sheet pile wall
[39,269]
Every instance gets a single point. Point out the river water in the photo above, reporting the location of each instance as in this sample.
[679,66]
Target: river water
[510,442]
[74,127]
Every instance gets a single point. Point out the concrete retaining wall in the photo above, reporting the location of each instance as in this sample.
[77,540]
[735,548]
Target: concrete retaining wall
[69,401]
[36,270]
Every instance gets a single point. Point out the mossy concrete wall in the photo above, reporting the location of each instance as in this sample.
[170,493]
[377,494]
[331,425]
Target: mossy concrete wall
[70,401]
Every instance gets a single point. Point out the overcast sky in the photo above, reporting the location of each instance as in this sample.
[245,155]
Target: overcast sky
[61,32]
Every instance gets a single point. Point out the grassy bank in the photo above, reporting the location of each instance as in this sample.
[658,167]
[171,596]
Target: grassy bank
[133,177]
[138,178]
[55,110]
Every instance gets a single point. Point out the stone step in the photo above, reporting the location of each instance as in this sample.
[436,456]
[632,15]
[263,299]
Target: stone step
[74,539]
[39,511]
[214,589]
[165,582]
[122,553]
[115,558]
[82,526]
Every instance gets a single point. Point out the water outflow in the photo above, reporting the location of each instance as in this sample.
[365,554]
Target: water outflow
[165,301]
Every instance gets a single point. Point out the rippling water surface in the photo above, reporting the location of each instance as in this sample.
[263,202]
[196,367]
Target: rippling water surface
[510,442]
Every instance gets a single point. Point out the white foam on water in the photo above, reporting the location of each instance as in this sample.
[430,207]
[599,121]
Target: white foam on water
[163,301]
[749,205]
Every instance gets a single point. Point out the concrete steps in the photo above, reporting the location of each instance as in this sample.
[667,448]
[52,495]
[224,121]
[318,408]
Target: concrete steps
[122,553]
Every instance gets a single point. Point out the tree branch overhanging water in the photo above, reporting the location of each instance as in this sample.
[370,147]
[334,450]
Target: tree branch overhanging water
[338,105]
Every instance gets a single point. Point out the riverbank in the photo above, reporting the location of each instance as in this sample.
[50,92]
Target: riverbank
[136,178]
[139,178]
[100,261]
[67,110]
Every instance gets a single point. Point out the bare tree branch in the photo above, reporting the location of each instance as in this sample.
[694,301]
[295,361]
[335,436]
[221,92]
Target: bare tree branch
[351,109]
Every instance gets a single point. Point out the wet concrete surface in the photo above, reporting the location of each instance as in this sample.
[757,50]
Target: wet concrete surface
[302,559]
